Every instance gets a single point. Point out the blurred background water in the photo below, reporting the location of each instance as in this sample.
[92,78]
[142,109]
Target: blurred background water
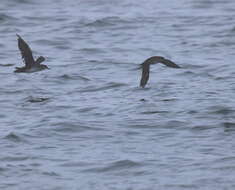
[86,123]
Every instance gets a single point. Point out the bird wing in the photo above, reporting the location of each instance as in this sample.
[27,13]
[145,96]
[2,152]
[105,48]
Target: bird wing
[169,63]
[26,52]
[145,75]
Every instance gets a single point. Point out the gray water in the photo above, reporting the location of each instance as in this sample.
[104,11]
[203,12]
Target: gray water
[86,123]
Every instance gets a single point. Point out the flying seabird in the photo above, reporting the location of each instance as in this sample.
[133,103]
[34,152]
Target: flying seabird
[153,60]
[30,64]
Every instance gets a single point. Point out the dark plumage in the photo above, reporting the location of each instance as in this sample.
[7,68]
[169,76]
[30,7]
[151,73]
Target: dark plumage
[27,56]
[153,60]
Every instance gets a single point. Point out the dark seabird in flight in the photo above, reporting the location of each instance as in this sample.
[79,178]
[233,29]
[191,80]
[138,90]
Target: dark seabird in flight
[30,64]
[153,60]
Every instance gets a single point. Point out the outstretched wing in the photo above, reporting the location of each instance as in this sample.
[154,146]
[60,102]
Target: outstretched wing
[25,52]
[145,74]
[169,63]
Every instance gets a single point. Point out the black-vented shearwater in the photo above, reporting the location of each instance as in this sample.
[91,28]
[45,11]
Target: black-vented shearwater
[153,60]
[30,64]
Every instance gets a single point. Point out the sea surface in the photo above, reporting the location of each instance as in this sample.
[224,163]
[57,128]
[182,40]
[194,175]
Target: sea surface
[86,124]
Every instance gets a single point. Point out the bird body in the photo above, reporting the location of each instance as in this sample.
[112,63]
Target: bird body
[153,60]
[30,64]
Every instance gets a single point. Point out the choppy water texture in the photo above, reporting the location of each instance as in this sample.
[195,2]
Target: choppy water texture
[86,123]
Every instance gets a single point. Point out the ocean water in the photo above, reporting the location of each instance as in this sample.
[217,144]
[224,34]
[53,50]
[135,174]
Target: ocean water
[86,123]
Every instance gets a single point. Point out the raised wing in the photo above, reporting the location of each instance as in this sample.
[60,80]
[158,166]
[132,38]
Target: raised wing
[25,52]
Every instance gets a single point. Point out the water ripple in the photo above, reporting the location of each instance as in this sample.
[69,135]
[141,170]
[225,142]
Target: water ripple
[116,166]
[36,99]
[111,85]
[72,77]
[107,21]
[14,138]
